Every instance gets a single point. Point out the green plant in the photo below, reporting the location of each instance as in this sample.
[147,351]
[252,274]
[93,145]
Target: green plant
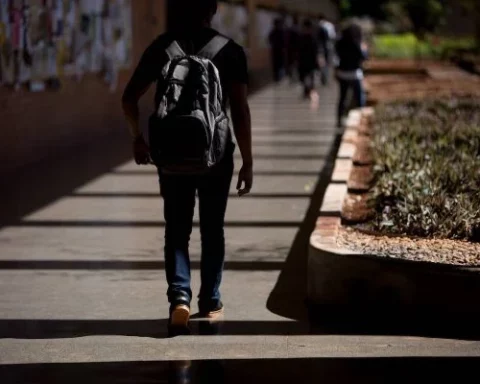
[407,45]
[427,169]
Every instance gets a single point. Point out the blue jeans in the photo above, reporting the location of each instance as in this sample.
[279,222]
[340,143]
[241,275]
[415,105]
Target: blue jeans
[358,94]
[325,74]
[325,69]
[178,192]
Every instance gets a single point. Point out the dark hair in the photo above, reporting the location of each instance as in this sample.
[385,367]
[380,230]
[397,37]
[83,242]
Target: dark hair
[278,22]
[188,14]
[352,33]
[308,23]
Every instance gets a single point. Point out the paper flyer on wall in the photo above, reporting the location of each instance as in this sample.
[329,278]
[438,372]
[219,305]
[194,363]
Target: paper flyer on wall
[47,40]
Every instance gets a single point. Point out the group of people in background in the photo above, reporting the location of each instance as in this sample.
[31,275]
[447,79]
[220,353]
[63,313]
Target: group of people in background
[311,50]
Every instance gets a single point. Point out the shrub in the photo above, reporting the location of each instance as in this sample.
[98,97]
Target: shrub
[427,169]
[409,46]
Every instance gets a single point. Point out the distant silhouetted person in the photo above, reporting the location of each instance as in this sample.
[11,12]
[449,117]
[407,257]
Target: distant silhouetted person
[293,37]
[191,144]
[352,52]
[307,57]
[326,36]
[278,44]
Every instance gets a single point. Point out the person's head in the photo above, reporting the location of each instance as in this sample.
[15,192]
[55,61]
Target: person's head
[191,14]
[308,26]
[322,17]
[295,20]
[278,23]
[352,33]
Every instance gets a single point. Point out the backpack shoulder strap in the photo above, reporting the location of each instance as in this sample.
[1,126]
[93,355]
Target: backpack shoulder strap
[213,47]
[174,50]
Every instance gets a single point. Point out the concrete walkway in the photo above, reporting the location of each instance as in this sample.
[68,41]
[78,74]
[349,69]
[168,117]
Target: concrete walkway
[82,279]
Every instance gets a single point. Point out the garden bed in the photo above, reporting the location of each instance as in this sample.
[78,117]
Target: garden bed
[391,80]
[377,66]
[413,261]
[427,163]
[388,271]
[425,167]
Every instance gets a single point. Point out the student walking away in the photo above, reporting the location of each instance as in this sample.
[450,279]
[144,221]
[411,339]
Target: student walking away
[278,44]
[326,41]
[352,52]
[197,73]
[293,37]
[307,58]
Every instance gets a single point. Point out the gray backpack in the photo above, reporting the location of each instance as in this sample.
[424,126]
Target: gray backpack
[190,129]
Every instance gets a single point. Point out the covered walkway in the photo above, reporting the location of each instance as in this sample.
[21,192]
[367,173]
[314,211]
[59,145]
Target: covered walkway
[82,276]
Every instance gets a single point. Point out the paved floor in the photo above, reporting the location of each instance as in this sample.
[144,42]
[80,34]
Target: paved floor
[82,288]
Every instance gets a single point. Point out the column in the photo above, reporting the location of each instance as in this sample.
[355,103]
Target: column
[251,6]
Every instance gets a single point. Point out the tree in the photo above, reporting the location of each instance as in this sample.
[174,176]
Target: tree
[425,15]
[352,8]
[473,6]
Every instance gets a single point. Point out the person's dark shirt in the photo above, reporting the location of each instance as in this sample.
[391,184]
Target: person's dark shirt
[278,41]
[308,51]
[350,54]
[293,38]
[231,62]
[323,38]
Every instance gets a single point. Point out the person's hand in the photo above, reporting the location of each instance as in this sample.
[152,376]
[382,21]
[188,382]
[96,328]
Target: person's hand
[141,152]
[245,180]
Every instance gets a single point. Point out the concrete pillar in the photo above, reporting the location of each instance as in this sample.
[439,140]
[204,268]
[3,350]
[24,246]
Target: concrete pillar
[252,25]
[148,20]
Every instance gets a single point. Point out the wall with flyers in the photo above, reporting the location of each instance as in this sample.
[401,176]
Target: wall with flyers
[43,41]
[62,90]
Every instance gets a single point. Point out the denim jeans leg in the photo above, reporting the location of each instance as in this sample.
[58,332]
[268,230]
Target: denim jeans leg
[342,107]
[324,74]
[179,203]
[213,194]
[360,96]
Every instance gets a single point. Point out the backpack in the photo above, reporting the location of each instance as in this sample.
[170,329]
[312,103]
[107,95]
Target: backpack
[189,131]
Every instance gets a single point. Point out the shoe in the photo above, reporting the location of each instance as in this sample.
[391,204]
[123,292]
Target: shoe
[180,316]
[213,312]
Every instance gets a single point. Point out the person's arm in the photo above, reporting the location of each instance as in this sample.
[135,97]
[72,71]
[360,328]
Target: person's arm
[136,88]
[271,38]
[130,99]
[322,38]
[364,51]
[242,127]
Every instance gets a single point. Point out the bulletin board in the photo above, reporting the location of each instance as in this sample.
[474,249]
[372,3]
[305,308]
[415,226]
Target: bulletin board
[42,41]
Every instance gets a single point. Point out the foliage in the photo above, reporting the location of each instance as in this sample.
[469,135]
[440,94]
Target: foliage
[398,20]
[425,15]
[409,46]
[359,8]
[427,169]
[422,16]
